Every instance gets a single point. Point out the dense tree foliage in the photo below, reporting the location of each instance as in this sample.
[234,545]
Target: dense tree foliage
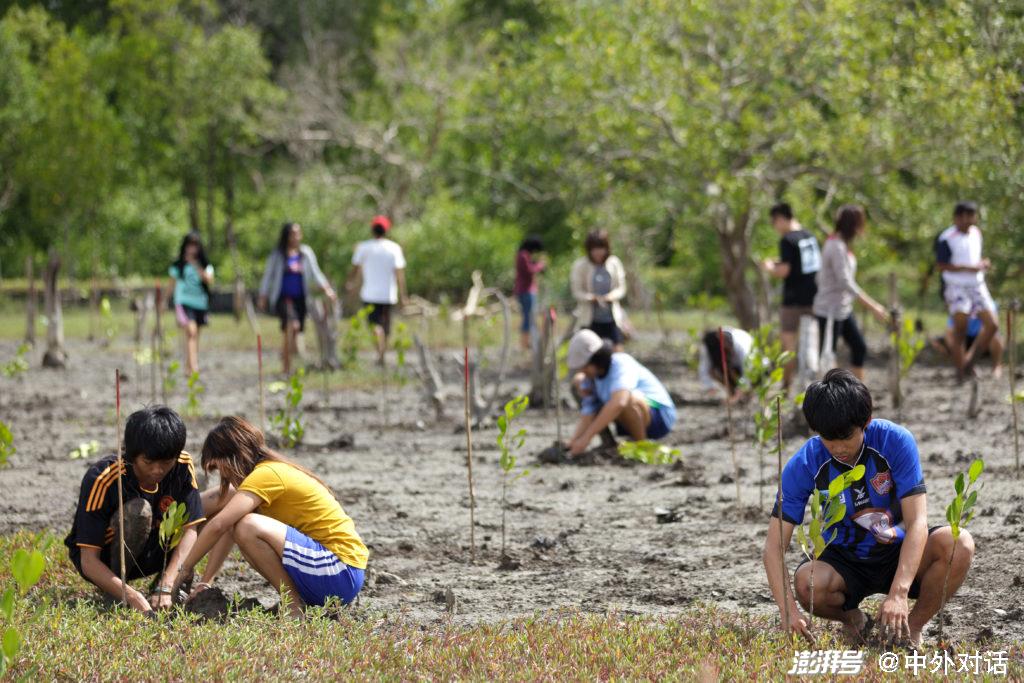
[473,122]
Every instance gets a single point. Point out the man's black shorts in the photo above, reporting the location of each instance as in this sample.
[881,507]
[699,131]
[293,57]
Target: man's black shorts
[864,577]
[380,315]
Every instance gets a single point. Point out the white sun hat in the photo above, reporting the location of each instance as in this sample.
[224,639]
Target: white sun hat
[582,346]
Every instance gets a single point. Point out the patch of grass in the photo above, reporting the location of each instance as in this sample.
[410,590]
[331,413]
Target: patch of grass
[68,637]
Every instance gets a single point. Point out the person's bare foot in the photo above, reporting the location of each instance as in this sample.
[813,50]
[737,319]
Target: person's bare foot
[997,372]
[916,639]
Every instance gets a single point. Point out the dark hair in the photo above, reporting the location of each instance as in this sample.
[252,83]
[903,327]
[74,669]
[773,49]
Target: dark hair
[156,431]
[714,349]
[837,405]
[196,239]
[602,358]
[781,209]
[849,220]
[964,207]
[286,232]
[234,447]
[378,230]
[597,239]
[532,244]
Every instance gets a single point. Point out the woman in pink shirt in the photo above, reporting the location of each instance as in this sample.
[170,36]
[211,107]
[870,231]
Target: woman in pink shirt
[528,266]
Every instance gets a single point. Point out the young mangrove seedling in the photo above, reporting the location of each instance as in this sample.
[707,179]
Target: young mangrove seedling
[27,568]
[195,391]
[107,320]
[649,452]
[171,377]
[86,449]
[826,511]
[958,513]
[288,421]
[510,442]
[16,365]
[907,344]
[7,448]
[765,370]
[171,529]
[356,335]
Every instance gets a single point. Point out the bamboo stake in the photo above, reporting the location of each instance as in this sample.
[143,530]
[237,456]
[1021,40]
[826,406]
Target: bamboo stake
[120,487]
[728,411]
[554,368]
[782,545]
[469,458]
[1011,339]
[259,365]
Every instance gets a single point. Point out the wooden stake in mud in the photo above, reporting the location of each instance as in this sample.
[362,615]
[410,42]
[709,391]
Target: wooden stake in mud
[894,367]
[1011,341]
[469,458]
[152,347]
[782,545]
[556,394]
[120,486]
[728,412]
[259,365]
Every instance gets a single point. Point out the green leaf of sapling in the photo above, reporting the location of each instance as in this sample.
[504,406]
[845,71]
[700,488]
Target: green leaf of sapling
[977,467]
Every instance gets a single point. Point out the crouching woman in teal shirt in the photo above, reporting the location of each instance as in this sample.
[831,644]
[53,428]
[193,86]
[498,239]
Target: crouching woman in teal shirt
[616,389]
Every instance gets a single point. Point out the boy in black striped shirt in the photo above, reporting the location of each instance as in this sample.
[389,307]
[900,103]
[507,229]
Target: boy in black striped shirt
[156,472]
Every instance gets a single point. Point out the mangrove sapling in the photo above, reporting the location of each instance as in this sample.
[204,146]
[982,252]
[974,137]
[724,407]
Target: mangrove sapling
[356,335]
[510,441]
[171,377]
[171,529]
[765,370]
[826,511]
[7,448]
[649,452]
[907,345]
[288,421]
[27,568]
[18,364]
[85,450]
[195,391]
[959,513]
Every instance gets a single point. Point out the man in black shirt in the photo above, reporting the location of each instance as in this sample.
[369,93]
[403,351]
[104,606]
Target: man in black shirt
[798,264]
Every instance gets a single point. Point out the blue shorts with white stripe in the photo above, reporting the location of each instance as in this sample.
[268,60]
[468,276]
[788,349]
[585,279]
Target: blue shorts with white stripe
[317,572]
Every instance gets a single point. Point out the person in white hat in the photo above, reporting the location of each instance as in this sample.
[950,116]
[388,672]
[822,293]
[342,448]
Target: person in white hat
[616,389]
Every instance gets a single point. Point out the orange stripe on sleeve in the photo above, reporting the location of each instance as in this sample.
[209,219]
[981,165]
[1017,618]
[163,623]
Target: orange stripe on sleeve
[104,476]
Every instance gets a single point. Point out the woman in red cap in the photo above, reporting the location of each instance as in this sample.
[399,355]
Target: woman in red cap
[380,263]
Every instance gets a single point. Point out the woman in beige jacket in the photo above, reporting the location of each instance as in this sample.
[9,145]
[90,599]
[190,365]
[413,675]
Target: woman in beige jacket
[598,284]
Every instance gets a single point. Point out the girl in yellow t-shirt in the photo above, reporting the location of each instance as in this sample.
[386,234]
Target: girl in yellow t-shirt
[284,519]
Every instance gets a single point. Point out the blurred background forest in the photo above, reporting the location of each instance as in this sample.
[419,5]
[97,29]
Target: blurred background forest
[675,125]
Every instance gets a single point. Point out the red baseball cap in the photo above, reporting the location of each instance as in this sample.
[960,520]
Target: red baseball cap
[382,221]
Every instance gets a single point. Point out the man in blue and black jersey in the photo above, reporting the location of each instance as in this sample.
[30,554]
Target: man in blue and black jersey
[883,544]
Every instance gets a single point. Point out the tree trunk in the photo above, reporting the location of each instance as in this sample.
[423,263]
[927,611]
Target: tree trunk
[55,356]
[30,303]
[192,195]
[735,249]
[229,236]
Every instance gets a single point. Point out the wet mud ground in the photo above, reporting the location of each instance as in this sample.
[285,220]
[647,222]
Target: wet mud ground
[581,537]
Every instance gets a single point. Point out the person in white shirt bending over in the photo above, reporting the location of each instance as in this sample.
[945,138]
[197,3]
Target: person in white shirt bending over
[958,254]
[381,265]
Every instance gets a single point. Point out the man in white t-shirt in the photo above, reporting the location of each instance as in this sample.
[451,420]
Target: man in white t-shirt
[958,254]
[381,265]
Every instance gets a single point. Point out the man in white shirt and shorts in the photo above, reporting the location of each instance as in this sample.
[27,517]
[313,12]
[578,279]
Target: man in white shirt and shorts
[381,265]
[958,254]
